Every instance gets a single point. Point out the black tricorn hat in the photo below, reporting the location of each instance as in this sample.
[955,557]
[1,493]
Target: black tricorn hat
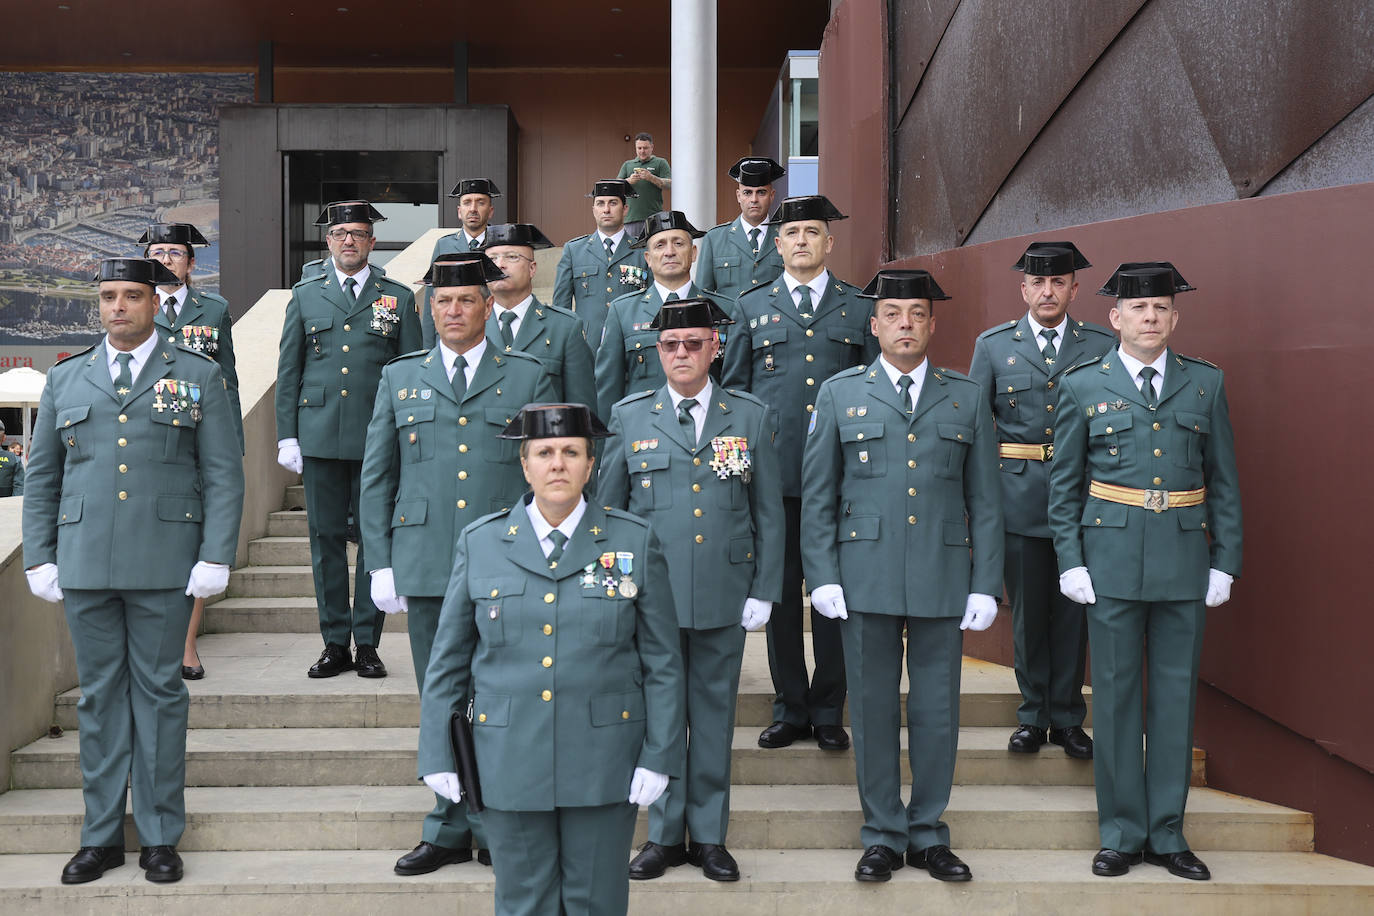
[136,270]
[613,187]
[796,209]
[903,284]
[696,312]
[1145,279]
[526,234]
[462,268]
[756,171]
[1051,259]
[662,221]
[475,186]
[348,211]
[555,421]
[172,234]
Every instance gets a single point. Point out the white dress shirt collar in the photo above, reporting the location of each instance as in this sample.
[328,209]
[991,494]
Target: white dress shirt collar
[683,292]
[1133,367]
[817,285]
[473,357]
[361,277]
[520,310]
[542,527]
[139,353]
[1036,327]
[918,377]
[615,239]
[181,294]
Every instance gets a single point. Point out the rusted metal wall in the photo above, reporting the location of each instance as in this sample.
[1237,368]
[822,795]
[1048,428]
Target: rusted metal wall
[1238,141]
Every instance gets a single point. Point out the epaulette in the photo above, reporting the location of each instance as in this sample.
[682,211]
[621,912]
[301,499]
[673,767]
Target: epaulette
[384,279]
[756,287]
[411,355]
[1196,359]
[314,278]
[1095,361]
[637,294]
[578,239]
[745,396]
[846,373]
[721,225]
[75,355]
[485,519]
[517,354]
[999,328]
[625,516]
[1094,328]
[558,310]
[181,348]
[636,396]
[213,297]
[953,373]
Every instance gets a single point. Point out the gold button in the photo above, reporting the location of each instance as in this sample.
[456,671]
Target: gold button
[624,714]
[462,475]
[767,342]
[1155,426]
[1109,429]
[644,464]
[853,534]
[462,504]
[547,662]
[810,381]
[68,423]
[696,488]
[911,437]
[1097,521]
[810,333]
[403,519]
[495,592]
[64,516]
[1010,389]
[1049,408]
[481,717]
[1048,431]
[548,629]
[700,539]
[911,519]
[348,327]
[810,407]
[123,469]
[463,447]
[546,695]
[123,418]
[1158,452]
[410,418]
[810,358]
[1158,481]
[608,289]
[123,495]
[696,461]
[749,555]
[123,442]
[343,393]
[345,348]
[959,436]
[176,422]
[910,491]
[1049,386]
[859,436]
[697,513]
[911,462]
[1203,525]
[548,598]
[462,421]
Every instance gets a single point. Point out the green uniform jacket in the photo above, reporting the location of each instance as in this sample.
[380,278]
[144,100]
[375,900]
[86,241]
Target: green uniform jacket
[628,358]
[650,199]
[1186,442]
[557,339]
[573,687]
[726,264]
[781,357]
[332,353]
[433,465]
[204,324]
[11,474]
[904,512]
[586,281]
[142,473]
[723,529]
[1023,392]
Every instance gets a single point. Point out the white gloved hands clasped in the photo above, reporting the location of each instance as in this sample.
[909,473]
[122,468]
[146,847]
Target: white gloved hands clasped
[446,785]
[828,600]
[755,614]
[979,612]
[384,592]
[289,455]
[646,787]
[43,582]
[207,579]
[1218,587]
[1076,585]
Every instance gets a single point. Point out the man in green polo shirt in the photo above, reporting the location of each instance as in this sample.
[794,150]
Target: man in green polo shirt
[650,176]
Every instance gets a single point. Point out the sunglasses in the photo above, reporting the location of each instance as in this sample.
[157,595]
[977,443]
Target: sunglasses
[692,344]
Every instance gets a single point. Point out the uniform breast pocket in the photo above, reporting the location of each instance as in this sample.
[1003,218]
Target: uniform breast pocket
[497,608]
[1011,402]
[318,332]
[180,432]
[1191,442]
[607,620]
[848,343]
[500,451]
[649,485]
[863,449]
[587,276]
[415,432]
[769,346]
[955,439]
[74,431]
[640,351]
[726,270]
[552,364]
[1107,446]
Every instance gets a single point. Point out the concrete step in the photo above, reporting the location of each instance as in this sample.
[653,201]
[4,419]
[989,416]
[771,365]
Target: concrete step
[258,680]
[275,581]
[295,497]
[275,615]
[287,551]
[791,817]
[288,523]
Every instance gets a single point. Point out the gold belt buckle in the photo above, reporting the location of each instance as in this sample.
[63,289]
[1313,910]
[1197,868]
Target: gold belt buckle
[1157,500]
[1047,451]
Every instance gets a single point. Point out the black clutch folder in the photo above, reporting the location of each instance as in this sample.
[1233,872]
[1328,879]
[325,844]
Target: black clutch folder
[465,760]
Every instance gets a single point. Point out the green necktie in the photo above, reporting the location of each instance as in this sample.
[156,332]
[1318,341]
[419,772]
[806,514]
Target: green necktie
[171,310]
[1048,350]
[474,244]
[754,239]
[804,300]
[610,249]
[350,289]
[559,541]
[124,380]
[671,297]
[905,384]
[684,416]
[460,380]
[507,319]
[1147,387]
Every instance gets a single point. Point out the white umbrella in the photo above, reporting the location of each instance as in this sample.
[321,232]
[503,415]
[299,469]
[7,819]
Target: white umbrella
[22,388]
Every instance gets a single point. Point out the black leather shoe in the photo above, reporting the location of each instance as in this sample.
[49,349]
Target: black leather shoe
[427,857]
[877,864]
[1108,863]
[333,660]
[484,857]
[1074,741]
[367,664]
[940,862]
[90,862]
[1182,864]
[714,861]
[831,737]
[1026,739]
[160,864]
[192,672]
[782,734]
[654,860]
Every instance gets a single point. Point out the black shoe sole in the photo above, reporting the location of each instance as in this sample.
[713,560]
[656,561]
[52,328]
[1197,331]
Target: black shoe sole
[724,879]
[374,674]
[873,879]
[86,879]
[1152,859]
[412,872]
[318,674]
[164,879]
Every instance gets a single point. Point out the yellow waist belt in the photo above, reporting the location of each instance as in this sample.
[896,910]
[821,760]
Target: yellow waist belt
[1158,500]
[1026,450]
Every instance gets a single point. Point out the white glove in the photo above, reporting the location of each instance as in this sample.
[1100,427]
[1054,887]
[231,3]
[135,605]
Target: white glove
[207,579]
[289,455]
[384,592]
[1076,585]
[828,600]
[646,787]
[756,613]
[43,582]
[979,612]
[445,784]
[1218,587]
